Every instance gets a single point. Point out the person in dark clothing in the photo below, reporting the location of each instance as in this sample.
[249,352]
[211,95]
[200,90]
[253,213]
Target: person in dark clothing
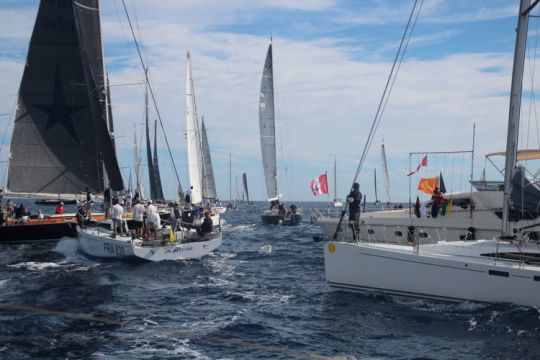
[281,209]
[20,212]
[354,199]
[207,224]
[273,204]
[188,195]
[293,209]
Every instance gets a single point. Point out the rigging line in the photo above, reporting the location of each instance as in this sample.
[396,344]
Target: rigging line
[152,94]
[377,118]
[399,65]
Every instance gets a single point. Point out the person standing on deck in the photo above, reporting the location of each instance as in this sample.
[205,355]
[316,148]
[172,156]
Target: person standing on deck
[151,218]
[188,195]
[436,202]
[354,199]
[117,212]
[138,219]
[89,199]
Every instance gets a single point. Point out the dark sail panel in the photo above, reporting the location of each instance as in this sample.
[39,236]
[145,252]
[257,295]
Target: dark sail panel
[157,176]
[209,183]
[244,180]
[89,33]
[54,147]
[151,172]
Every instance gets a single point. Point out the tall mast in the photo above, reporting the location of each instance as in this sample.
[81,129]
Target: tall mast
[230,179]
[515,107]
[335,179]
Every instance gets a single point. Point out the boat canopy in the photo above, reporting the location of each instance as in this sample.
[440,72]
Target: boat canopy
[522,155]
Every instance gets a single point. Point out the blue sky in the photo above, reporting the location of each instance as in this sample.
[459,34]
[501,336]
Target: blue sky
[331,62]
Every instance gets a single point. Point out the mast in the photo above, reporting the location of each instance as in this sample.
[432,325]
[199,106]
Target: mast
[149,158]
[335,179]
[230,179]
[192,137]
[375,179]
[267,127]
[514,110]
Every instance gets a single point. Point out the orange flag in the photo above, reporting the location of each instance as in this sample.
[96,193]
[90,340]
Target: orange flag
[427,185]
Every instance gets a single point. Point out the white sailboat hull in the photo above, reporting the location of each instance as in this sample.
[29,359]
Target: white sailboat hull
[100,244]
[449,272]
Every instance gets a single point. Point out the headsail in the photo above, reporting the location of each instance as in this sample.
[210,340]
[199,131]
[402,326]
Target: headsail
[209,184]
[244,180]
[149,157]
[268,128]
[192,138]
[60,137]
[385,173]
[155,165]
[138,161]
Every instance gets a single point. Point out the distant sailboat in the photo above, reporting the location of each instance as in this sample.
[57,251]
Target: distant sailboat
[209,183]
[232,202]
[246,192]
[375,184]
[277,214]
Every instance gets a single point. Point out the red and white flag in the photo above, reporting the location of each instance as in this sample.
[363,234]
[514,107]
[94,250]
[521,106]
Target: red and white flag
[423,163]
[319,185]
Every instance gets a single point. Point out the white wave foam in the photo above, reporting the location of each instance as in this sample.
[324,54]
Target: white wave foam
[265,249]
[35,266]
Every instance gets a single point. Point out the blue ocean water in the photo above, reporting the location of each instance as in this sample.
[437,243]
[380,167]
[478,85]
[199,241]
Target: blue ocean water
[244,301]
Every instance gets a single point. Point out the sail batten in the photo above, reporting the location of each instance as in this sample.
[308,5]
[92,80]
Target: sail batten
[192,138]
[268,128]
[209,183]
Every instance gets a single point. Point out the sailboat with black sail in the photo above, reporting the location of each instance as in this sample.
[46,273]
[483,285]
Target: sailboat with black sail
[503,270]
[102,241]
[277,213]
[60,143]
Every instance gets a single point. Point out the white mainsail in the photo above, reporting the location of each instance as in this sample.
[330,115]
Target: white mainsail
[192,138]
[268,127]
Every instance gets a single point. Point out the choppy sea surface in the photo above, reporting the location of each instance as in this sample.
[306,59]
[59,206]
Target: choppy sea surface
[261,295]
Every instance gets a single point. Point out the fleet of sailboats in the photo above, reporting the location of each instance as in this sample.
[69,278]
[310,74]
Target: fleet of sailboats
[63,142]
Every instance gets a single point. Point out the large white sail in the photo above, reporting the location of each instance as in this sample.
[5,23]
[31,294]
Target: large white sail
[192,138]
[268,127]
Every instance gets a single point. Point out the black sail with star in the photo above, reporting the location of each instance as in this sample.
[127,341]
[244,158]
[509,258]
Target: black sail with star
[58,144]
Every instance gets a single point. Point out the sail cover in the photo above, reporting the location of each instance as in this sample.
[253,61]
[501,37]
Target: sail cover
[209,183]
[58,143]
[244,180]
[192,138]
[268,128]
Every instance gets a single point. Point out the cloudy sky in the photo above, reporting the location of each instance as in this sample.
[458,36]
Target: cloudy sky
[331,61]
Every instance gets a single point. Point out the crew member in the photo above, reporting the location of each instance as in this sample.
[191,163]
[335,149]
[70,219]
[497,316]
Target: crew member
[116,214]
[59,209]
[354,199]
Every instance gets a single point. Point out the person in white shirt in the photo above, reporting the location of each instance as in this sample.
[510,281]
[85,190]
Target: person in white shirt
[138,219]
[128,200]
[116,214]
[151,218]
[157,220]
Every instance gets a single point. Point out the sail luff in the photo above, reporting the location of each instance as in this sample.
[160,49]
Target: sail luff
[385,173]
[192,138]
[268,128]
[244,180]
[157,176]
[209,184]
